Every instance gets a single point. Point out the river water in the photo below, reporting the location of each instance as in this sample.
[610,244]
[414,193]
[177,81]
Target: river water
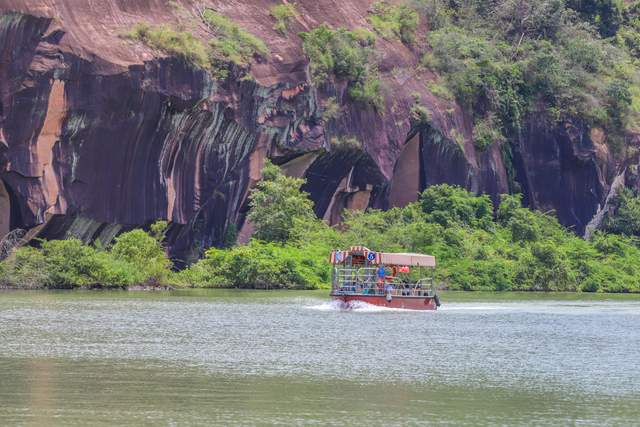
[292,358]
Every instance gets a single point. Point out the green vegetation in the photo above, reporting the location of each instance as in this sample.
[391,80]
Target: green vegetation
[345,144]
[368,91]
[344,55]
[394,20]
[520,250]
[229,45]
[512,249]
[276,203]
[331,109]
[440,90]
[627,215]
[283,14]
[180,44]
[135,258]
[505,61]
[420,115]
[606,15]
[487,132]
[258,265]
[515,249]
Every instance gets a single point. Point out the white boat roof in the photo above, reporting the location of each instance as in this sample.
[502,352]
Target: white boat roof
[385,258]
[410,259]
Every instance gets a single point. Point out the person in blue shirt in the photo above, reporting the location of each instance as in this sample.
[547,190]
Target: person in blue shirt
[381,276]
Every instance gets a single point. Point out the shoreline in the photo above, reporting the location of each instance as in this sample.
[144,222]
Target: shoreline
[457,294]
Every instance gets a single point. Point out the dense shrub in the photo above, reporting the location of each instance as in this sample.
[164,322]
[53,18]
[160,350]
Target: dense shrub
[145,252]
[368,91]
[390,20]
[258,265]
[135,258]
[486,132]
[520,249]
[26,268]
[276,203]
[449,205]
[343,54]
[506,60]
[626,219]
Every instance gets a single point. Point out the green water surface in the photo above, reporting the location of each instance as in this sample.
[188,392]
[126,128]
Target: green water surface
[215,357]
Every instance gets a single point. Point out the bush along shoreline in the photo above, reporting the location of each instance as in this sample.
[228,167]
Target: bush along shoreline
[478,248]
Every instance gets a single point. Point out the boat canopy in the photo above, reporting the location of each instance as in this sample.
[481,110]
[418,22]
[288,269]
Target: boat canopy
[412,260]
[384,258]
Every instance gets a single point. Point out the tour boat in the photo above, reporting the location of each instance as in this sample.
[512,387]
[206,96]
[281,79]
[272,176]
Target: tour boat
[383,279]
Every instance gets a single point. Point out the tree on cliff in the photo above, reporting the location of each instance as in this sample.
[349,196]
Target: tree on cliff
[276,203]
[626,219]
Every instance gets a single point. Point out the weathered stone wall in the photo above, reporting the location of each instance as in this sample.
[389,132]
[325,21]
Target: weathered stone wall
[99,134]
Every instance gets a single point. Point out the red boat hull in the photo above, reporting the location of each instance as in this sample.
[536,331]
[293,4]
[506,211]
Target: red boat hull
[405,302]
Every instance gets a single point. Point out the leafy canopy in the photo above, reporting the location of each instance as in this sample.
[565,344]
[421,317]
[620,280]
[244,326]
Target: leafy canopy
[276,203]
[505,60]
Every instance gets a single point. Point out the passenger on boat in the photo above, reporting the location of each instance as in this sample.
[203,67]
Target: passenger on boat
[381,276]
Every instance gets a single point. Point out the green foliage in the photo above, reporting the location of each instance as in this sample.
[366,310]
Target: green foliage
[331,109]
[135,258]
[346,144]
[420,115]
[158,229]
[283,14]
[276,203]
[606,15]
[505,60]
[345,55]
[520,249]
[368,91]
[258,265]
[486,132]
[26,268]
[181,44]
[230,43]
[142,250]
[390,20]
[626,219]
[448,205]
[68,264]
[440,90]
[364,36]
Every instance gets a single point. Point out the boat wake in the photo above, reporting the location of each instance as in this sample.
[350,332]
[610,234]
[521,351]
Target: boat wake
[355,306]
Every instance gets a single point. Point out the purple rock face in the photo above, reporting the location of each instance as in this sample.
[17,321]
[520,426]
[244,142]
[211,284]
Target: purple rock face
[99,134]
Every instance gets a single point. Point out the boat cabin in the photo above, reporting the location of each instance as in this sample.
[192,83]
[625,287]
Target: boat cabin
[361,271]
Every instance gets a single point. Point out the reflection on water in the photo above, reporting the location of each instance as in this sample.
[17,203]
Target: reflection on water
[294,358]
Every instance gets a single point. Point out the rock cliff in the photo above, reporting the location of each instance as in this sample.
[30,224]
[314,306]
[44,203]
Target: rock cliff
[99,134]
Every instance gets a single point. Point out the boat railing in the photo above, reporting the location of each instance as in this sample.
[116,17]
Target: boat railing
[364,280]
